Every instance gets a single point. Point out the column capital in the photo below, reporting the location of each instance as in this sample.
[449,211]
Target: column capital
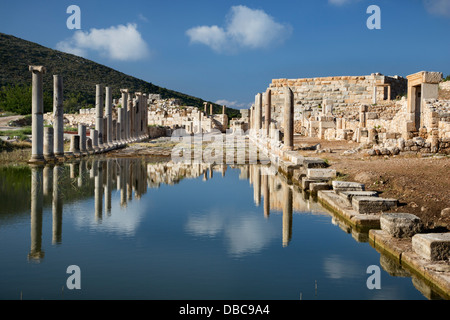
[124,90]
[35,69]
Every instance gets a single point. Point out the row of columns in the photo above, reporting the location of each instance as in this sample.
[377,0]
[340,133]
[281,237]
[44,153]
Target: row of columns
[130,176]
[263,105]
[48,143]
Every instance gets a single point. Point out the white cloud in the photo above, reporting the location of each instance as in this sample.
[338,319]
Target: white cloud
[244,28]
[438,7]
[116,42]
[232,104]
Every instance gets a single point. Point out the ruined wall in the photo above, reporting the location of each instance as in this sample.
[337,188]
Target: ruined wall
[343,92]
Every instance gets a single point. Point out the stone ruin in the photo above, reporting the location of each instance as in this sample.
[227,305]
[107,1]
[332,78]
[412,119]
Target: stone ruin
[385,115]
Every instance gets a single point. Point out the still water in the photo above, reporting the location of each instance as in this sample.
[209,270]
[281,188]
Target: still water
[140,230]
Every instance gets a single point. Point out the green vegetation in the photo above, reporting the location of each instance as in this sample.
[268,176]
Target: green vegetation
[79,78]
[447,78]
[22,133]
[17,99]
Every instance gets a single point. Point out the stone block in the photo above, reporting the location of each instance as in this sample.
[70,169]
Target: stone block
[339,186]
[350,194]
[316,186]
[321,173]
[369,205]
[432,77]
[400,225]
[432,246]
[306,182]
[314,163]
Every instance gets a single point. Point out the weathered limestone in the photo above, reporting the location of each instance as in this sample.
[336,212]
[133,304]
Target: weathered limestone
[125,114]
[58,116]
[421,85]
[267,111]
[349,195]
[108,111]
[37,114]
[48,144]
[432,246]
[400,225]
[258,113]
[82,134]
[288,119]
[99,114]
[94,136]
[321,173]
[75,145]
[339,186]
[370,205]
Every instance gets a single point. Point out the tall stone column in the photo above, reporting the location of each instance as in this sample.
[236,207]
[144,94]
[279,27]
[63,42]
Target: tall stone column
[224,108]
[99,114]
[205,105]
[37,115]
[125,113]
[108,111]
[120,125]
[211,112]
[258,113]
[288,119]
[267,111]
[58,116]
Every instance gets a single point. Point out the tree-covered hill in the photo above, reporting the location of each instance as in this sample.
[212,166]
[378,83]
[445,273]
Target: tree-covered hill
[80,76]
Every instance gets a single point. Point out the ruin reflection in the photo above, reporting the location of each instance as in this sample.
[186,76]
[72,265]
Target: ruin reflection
[101,189]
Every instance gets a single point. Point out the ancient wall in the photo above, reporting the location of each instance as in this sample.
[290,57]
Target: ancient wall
[342,92]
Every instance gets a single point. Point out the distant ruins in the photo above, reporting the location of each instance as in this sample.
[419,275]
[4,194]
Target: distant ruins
[386,115]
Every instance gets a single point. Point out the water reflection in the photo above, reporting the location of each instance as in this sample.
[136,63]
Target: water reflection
[112,190]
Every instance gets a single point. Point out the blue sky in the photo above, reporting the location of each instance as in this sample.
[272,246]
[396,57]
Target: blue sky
[227,51]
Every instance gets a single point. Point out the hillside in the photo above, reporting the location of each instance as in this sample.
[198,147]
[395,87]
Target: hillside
[80,75]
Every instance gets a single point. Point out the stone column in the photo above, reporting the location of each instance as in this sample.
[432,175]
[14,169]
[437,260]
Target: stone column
[108,109]
[211,112]
[75,145]
[82,134]
[288,119]
[137,115]
[125,114]
[267,111]
[58,116]
[37,115]
[99,114]
[224,108]
[258,113]
[48,144]
[94,136]
[205,104]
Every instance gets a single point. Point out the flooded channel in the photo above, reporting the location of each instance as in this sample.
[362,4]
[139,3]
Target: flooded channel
[141,230]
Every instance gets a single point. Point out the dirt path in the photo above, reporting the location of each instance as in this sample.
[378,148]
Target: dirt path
[422,185]
[4,122]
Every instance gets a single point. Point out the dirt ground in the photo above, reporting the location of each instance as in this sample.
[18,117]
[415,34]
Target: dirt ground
[421,184]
